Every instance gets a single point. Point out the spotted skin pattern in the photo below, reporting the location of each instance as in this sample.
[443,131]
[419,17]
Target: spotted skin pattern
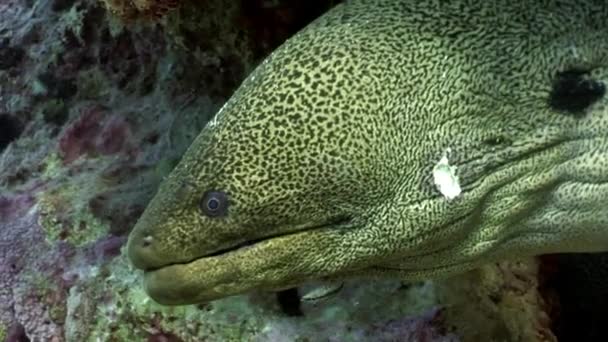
[326,152]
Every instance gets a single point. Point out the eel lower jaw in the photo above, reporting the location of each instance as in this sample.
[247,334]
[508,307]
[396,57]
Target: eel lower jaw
[209,277]
[230,271]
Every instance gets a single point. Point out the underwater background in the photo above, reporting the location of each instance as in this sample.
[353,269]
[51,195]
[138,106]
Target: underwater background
[99,100]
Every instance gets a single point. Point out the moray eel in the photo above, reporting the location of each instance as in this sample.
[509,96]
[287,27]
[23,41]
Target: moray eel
[320,166]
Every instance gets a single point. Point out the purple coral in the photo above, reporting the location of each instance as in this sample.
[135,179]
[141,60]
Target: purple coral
[16,333]
[78,138]
[26,256]
[96,132]
[424,328]
[427,327]
[24,253]
[114,136]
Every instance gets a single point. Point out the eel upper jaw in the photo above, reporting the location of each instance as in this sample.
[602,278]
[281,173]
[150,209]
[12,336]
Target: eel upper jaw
[233,249]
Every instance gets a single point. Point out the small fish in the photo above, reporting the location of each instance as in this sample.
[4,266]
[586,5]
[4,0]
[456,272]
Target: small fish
[322,292]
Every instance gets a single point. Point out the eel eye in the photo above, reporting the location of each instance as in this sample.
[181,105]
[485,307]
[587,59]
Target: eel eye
[214,203]
[573,91]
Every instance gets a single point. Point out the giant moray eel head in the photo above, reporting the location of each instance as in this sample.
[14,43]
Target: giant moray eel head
[321,164]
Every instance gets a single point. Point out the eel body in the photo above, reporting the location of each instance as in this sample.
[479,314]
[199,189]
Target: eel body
[399,138]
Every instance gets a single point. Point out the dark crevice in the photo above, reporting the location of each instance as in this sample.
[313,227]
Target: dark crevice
[10,129]
[574,285]
[289,301]
[10,56]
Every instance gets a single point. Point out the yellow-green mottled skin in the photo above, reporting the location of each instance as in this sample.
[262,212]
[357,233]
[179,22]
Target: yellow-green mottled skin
[326,152]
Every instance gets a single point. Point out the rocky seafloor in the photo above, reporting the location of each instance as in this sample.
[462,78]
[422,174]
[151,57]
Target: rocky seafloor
[96,107]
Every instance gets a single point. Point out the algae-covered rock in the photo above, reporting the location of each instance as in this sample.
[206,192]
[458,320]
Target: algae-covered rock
[95,109]
[498,302]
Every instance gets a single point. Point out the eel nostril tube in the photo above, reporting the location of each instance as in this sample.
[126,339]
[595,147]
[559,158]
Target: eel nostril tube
[147,241]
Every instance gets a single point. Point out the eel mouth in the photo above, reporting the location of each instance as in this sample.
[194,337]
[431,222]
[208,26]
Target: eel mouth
[336,223]
[272,262]
[241,247]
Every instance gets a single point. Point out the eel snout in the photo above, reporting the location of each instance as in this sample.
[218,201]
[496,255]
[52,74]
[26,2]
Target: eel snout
[142,250]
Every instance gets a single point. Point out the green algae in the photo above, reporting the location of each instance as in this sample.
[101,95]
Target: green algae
[93,84]
[54,111]
[73,20]
[23,158]
[64,208]
[119,309]
[67,219]
[113,305]
[3,332]
[52,166]
[115,25]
